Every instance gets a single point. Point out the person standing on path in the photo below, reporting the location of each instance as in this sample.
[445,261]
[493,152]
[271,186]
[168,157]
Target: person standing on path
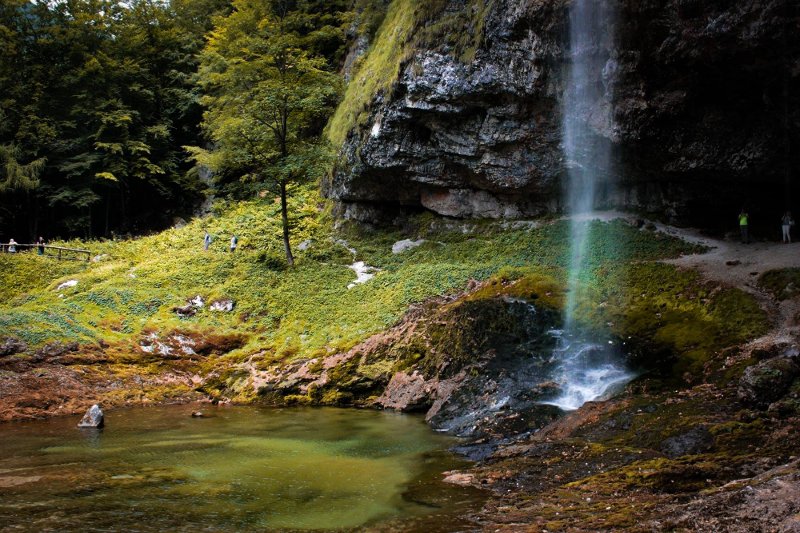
[40,246]
[206,241]
[786,224]
[743,227]
[234,242]
[12,246]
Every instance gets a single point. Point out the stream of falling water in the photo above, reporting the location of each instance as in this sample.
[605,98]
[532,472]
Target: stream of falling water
[588,370]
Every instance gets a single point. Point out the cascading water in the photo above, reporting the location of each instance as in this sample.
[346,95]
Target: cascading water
[587,370]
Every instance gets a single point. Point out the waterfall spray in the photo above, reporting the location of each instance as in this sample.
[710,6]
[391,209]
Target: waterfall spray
[587,370]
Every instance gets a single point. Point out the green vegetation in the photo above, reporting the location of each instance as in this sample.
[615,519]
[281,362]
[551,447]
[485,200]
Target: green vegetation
[267,93]
[783,284]
[460,31]
[377,71]
[673,316]
[93,139]
[29,272]
[308,311]
[407,26]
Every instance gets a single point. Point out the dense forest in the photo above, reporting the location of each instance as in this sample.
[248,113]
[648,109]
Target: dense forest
[111,111]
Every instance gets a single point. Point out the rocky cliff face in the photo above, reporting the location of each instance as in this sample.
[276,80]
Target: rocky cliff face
[703,100]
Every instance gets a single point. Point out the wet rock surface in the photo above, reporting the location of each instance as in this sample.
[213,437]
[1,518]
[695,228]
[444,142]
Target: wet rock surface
[94,418]
[692,90]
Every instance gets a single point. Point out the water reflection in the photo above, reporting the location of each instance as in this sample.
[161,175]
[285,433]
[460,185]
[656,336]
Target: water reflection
[241,469]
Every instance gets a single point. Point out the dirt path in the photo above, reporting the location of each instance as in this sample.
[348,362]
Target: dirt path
[737,265]
[740,265]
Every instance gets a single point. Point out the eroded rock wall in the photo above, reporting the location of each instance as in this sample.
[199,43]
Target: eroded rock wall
[704,115]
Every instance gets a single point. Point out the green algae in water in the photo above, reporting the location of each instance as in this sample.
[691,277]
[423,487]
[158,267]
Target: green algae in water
[242,468]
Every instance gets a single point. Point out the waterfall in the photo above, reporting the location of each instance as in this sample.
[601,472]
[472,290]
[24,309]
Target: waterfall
[588,370]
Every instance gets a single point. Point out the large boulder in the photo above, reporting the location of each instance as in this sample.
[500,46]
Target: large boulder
[767,381]
[93,418]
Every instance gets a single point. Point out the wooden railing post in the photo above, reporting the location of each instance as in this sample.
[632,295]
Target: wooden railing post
[62,252]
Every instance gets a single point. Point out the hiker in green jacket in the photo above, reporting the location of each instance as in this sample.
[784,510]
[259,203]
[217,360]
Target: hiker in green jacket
[743,227]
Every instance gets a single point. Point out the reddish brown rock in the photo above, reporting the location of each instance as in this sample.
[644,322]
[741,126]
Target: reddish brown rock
[407,392]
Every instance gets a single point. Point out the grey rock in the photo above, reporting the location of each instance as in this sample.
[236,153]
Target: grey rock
[190,308]
[67,284]
[768,381]
[11,346]
[406,244]
[54,350]
[694,441]
[185,311]
[407,392]
[93,418]
[692,106]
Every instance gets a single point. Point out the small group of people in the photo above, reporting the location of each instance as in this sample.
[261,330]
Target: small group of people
[233,244]
[11,247]
[786,227]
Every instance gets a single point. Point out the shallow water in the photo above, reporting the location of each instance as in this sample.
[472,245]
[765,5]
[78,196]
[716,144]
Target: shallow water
[242,468]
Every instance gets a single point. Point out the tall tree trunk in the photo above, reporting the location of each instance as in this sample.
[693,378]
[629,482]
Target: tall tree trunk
[31,210]
[36,217]
[123,208]
[285,220]
[108,214]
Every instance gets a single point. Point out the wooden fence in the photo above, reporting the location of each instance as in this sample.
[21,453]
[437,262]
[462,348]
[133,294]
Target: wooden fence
[55,251]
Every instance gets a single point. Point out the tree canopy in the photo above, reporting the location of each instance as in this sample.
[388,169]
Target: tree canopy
[96,99]
[268,75]
[100,100]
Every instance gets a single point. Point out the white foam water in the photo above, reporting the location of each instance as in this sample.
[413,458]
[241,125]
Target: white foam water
[587,371]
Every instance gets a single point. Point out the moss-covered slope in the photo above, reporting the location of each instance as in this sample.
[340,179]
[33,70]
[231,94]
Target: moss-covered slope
[131,304]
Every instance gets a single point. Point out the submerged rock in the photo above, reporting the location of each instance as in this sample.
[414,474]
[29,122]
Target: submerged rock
[93,418]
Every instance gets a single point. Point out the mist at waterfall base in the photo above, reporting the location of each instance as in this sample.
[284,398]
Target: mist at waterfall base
[588,369]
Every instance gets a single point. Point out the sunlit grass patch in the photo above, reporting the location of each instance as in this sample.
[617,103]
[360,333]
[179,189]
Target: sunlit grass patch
[136,285]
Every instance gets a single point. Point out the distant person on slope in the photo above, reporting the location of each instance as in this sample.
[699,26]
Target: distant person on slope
[743,227]
[12,246]
[234,242]
[786,224]
[206,241]
[40,246]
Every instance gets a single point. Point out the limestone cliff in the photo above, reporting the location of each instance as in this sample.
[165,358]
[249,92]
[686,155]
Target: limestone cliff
[699,102]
